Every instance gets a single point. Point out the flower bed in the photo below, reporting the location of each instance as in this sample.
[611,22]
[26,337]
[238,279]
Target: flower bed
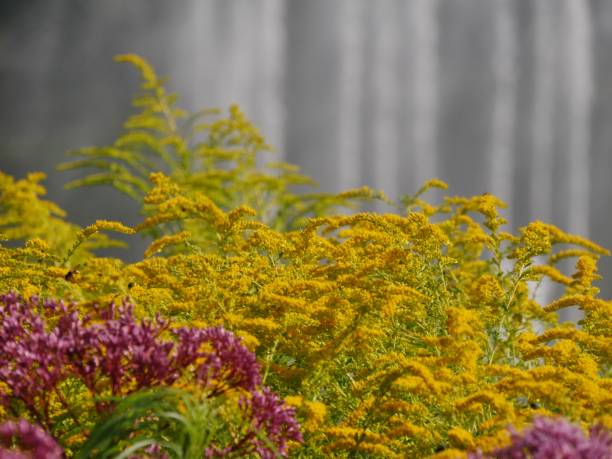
[414,333]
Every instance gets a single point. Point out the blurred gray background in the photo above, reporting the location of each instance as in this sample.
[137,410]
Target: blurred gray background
[512,97]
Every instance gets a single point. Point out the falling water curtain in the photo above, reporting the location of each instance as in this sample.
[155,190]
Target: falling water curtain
[504,96]
[392,92]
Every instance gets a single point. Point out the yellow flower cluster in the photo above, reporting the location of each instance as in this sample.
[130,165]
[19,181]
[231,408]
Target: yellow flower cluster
[394,335]
[387,345]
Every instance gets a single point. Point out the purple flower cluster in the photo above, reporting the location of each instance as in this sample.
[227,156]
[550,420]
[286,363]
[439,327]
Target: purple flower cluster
[111,352]
[554,439]
[229,364]
[32,359]
[116,352]
[33,442]
[270,415]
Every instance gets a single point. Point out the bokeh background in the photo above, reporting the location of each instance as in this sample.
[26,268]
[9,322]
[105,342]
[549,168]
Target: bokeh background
[511,97]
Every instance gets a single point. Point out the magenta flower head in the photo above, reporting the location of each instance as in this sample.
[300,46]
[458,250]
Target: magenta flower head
[32,358]
[271,415]
[551,438]
[272,425]
[35,356]
[34,443]
[224,363]
[44,345]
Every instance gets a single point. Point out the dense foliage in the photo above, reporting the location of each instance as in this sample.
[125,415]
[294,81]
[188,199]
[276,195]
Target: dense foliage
[407,334]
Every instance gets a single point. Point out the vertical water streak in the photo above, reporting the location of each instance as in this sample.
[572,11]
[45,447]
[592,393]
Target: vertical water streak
[350,106]
[239,56]
[424,16]
[543,111]
[579,68]
[198,48]
[38,60]
[270,103]
[501,173]
[386,101]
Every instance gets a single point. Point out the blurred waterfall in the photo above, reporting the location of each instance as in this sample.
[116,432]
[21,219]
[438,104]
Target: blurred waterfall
[543,111]
[506,96]
[195,47]
[350,103]
[238,59]
[424,14]
[269,86]
[243,42]
[578,66]
[505,70]
[385,110]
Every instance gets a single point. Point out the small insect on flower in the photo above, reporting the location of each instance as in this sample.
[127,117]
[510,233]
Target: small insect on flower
[73,275]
